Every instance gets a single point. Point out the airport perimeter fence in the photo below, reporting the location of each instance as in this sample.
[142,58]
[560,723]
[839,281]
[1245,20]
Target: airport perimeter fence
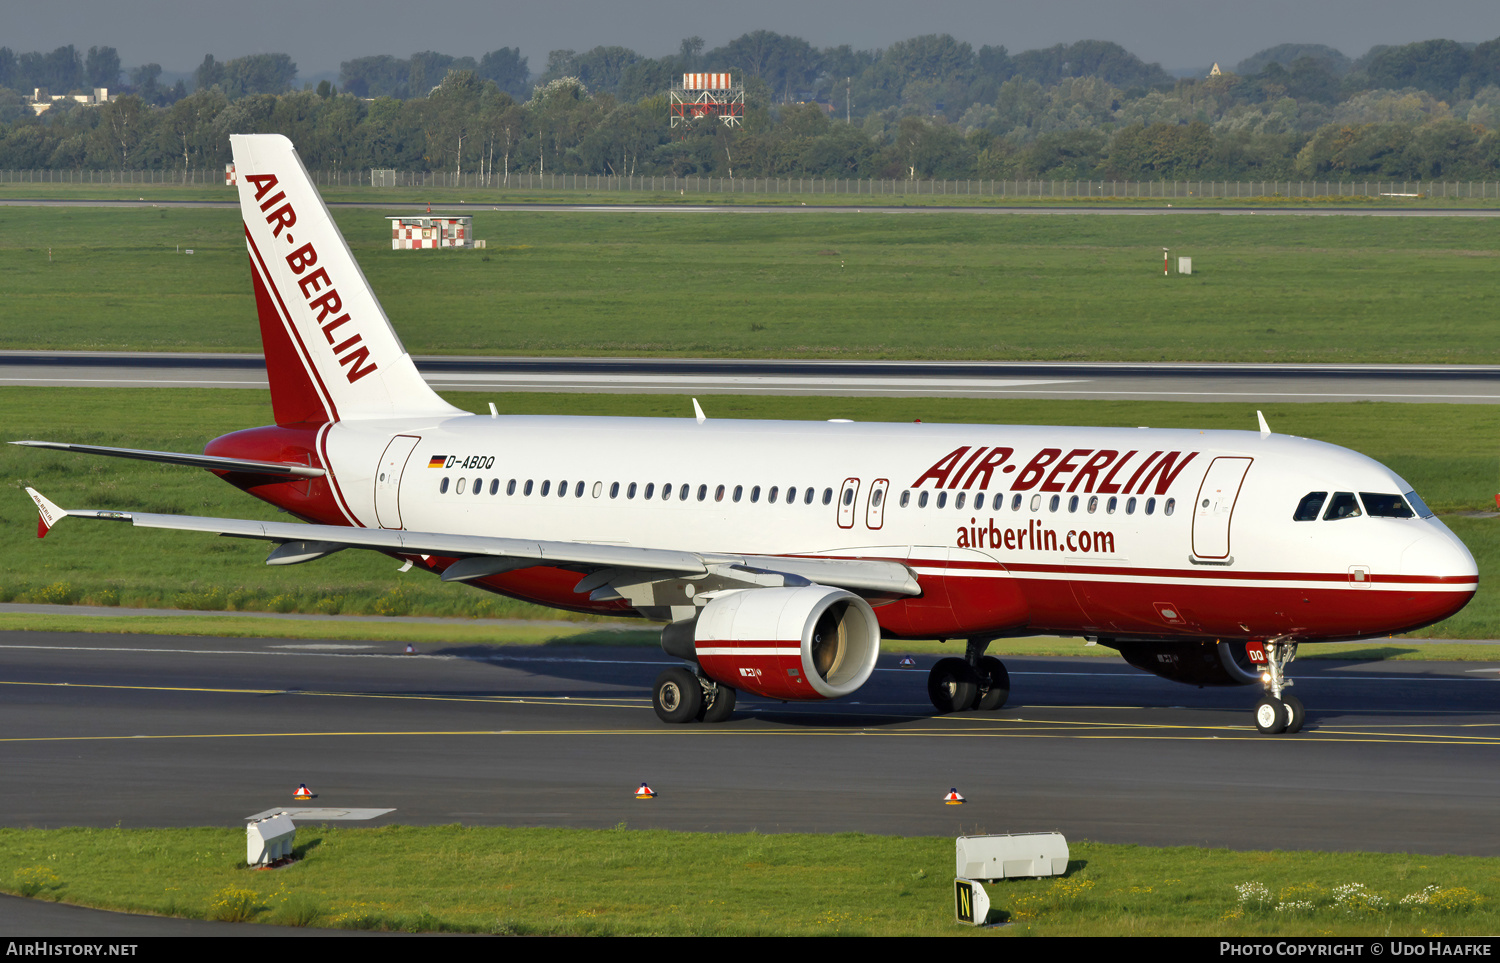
[1055,189]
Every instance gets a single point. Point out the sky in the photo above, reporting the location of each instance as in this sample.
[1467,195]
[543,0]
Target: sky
[319,34]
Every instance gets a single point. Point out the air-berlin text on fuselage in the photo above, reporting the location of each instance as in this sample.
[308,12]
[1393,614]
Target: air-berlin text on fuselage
[1104,471]
[317,287]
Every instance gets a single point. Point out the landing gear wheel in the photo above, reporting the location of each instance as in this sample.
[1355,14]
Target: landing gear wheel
[720,707]
[994,684]
[1296,714]
[952,685]
[1271,715]
[677,696]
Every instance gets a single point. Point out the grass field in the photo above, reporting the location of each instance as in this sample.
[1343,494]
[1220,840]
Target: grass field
[1446,451]
[945,286]
[629,882]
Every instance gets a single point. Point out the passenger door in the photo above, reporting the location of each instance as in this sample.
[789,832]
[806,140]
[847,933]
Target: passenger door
[1215,506]
[388,479]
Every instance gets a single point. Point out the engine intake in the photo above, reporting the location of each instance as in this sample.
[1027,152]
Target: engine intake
[805,643]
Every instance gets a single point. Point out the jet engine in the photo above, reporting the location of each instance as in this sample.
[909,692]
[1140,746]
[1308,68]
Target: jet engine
[1193,663]
[805,643]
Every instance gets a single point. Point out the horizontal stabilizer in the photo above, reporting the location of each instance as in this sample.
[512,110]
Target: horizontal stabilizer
[209,462]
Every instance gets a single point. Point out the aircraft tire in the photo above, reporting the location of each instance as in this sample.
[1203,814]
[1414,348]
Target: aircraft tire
[952,685]
[677,697]
[721,708]
[1296,714]
[1271,716]
[994,684]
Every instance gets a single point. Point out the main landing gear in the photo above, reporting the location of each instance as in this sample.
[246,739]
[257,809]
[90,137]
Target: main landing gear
[1279,711]
[977,681]
[681,695]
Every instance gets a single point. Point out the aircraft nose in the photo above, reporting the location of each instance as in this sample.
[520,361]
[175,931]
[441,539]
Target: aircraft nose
[1445,564]
[1440,553]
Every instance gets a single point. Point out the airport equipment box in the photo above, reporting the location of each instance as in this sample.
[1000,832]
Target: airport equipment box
[1011,856]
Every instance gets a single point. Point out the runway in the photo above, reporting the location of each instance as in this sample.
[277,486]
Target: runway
[168,731]
[888,205]
[1240,383]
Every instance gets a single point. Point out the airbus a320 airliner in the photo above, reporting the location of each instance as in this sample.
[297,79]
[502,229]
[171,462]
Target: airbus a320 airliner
[780,553]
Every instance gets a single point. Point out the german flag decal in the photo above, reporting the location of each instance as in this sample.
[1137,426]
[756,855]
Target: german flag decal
[437,461]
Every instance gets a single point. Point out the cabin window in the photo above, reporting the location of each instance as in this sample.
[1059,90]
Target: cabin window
[1130,505]
[958,502]
[630,491]
[1073,503]
[459,488]
[942,501]
[443,487]
[791,494]
[905,498]
[1169,507]
[702,492]
[1036,503]
[479,486]
[578,490]
[979,501]
[1385,506]
[878,497]
[808,496]
[614,490]
[828,496]
[1053,502]
[1150,506]
[650,490]
[755,494]
[1341,505]
[494,486]
[1093,504]
[922,500]
[599,489]
[1111,505]
[546,488]
[771,495]
[666,492]
[849,497]
[1015,503]
[528,487]
[682,493]
[510,487]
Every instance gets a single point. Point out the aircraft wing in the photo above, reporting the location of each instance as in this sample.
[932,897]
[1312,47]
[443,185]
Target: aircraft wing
[481,555]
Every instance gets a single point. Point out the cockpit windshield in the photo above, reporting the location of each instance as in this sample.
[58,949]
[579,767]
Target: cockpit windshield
[1341,505]
[1385,506]
[1415,501]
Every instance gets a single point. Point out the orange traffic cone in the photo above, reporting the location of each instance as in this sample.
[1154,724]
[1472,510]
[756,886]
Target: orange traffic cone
[908,663]
[953,798]
[302,792]
[644,792]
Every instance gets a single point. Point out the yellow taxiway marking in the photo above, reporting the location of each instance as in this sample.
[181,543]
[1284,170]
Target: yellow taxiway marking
[965,727]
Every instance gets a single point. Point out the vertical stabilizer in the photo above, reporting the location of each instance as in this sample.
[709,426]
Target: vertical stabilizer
[330,350]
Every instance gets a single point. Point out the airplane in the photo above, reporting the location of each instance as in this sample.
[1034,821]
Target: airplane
[779,554]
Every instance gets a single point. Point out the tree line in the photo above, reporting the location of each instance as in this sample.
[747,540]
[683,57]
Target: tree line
[926,107]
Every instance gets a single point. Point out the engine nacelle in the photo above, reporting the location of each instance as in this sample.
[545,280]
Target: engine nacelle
[1192,663]
[811,642]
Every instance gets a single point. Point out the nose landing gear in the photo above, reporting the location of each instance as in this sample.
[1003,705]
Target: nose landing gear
[1279,710]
